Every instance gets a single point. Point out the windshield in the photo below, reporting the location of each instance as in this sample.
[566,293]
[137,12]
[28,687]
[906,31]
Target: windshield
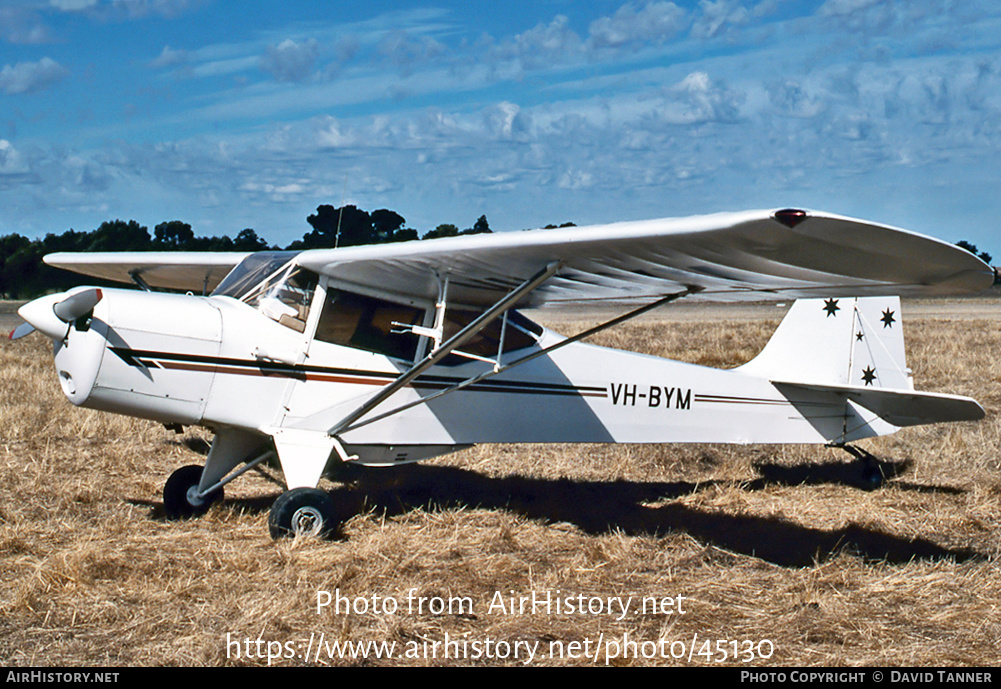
[271,283]
[251,271]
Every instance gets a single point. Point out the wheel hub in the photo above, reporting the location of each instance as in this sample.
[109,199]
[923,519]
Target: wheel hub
[193,498]
[307,521]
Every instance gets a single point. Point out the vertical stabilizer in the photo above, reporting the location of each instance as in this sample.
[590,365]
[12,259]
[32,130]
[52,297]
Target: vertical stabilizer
[841,341]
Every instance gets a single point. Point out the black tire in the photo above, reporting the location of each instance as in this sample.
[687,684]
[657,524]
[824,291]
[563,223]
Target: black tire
[303,512]
[872,477]
[179,501]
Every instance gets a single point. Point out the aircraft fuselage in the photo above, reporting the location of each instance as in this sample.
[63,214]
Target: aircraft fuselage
[218,363]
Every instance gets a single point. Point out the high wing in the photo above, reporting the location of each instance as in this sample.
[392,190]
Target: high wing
[197,271]
[727,256]
[730,256]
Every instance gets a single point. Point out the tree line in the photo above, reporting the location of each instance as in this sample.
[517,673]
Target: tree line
[23,274]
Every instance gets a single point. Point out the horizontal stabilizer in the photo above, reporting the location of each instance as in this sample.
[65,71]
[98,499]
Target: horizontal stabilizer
[899,407]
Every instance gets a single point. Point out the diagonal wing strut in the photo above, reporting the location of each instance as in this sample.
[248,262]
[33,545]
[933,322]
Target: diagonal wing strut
[457,340]
[523,360]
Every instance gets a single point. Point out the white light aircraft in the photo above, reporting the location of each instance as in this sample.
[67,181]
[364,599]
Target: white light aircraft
[393,353]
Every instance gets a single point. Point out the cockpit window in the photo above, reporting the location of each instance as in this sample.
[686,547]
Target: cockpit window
[285,296]
[274,285]
[251,271]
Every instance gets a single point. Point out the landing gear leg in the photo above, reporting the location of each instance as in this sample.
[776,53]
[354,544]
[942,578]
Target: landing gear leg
[181,497]
[871,471]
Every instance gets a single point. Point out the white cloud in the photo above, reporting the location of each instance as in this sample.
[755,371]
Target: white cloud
[20,25]
[276,191]
[845,7]
[27,77]
[11,162]
[506,121]
[330,134]
[795,99]
[717,17]
[72,5]
[141,8]
[213,68]
[654,22]
[543,45]
[575,179]
[408,53]
[88,176]
[698,99]
[169,57]
[290,61]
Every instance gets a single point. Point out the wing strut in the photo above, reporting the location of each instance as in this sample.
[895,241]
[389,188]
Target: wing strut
[445,349]
[498,369]
[137,278]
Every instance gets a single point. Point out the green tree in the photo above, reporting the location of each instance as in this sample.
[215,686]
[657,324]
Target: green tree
[389,226]
[444,230]
[118,235]
[385,223]
[173,236]
[481,226]
[345,226]
[248,240]
[972,248]
[25,273]
[9,245]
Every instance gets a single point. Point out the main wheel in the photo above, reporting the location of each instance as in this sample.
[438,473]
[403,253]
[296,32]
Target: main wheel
[303,512]
[180,494]
[872,476]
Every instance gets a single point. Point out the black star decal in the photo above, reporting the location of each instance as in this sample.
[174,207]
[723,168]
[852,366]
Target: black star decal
[887,319]
[831,306]
[858,336]
[869,375]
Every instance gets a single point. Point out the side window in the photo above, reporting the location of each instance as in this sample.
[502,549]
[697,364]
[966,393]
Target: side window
[353,320]
[520,333]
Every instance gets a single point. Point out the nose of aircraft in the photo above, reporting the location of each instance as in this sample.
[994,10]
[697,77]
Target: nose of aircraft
[52,314]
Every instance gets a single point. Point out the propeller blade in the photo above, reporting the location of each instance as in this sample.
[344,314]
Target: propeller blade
[22,330]
[76,305]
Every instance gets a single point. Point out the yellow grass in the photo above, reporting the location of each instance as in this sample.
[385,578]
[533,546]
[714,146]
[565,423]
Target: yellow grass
[775,546]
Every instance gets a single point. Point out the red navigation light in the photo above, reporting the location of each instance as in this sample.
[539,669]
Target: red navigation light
[790,217]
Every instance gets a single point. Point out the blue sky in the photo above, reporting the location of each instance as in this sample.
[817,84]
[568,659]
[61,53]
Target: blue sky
[251,114]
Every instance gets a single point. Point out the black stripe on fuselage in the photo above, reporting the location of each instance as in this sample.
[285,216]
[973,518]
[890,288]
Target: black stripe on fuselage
[200,362]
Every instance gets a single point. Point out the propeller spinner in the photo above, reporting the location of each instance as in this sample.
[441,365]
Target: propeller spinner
[52,314]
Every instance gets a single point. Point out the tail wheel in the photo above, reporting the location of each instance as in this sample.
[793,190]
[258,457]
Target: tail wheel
[303,512]
[180,494]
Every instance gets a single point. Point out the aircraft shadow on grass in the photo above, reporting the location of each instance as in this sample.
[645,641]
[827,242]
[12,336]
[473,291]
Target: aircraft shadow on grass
[638,509]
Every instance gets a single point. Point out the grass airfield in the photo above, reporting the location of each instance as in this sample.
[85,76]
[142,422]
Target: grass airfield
[521,555]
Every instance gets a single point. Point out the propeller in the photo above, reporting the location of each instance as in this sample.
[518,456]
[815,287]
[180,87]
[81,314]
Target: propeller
[50,314]
[22,330]
[76,305]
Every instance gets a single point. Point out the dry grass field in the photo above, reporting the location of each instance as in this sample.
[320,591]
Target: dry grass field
[748,556]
